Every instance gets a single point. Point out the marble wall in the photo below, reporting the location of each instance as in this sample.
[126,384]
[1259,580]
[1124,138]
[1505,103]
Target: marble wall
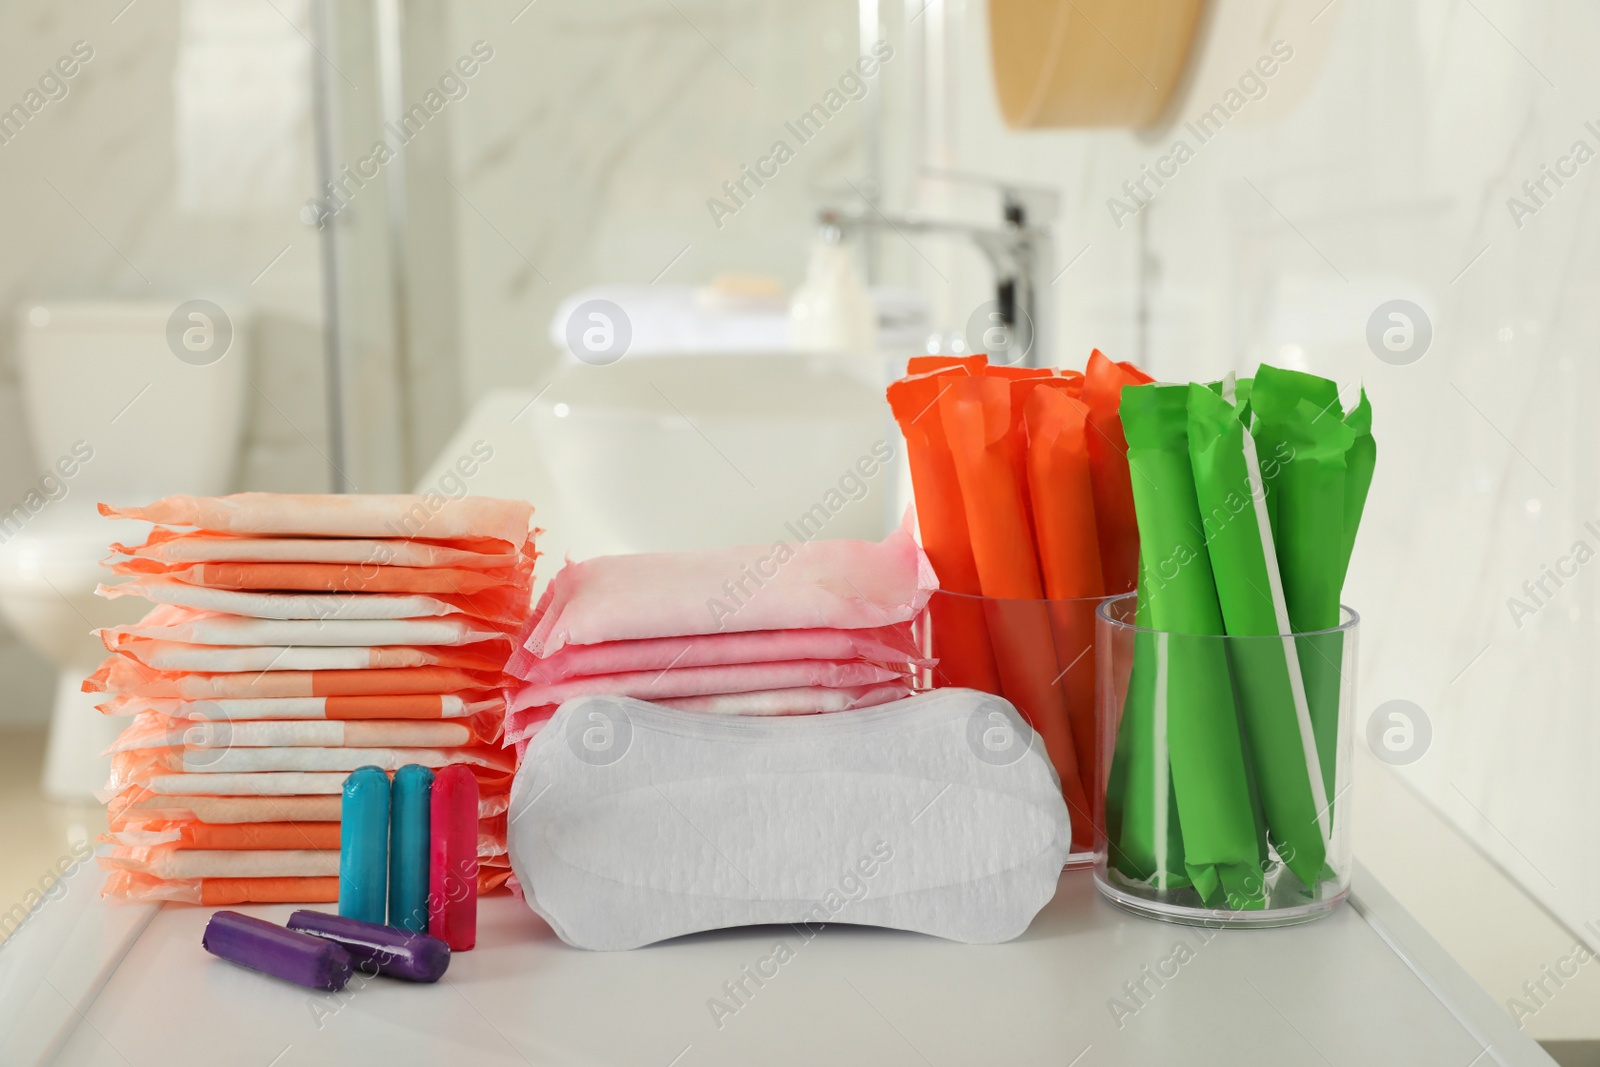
[593,141]
[173,167]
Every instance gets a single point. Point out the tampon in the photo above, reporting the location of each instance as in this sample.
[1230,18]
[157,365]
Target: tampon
[453,859]
[376,949]
[364,845]
[408,848]
[270,949]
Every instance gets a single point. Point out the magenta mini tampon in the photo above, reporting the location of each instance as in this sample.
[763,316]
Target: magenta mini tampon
[453,858]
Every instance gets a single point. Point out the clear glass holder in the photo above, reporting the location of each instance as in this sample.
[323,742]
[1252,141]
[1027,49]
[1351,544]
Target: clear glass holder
[1225,770]
[1039,655]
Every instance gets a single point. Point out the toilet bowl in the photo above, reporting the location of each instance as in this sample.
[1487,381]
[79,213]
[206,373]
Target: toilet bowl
[114,415]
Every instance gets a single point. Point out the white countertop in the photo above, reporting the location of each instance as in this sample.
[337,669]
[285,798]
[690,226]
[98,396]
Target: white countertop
[87,982]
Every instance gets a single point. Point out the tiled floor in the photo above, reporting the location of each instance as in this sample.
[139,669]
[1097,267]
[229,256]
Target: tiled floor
[35,834]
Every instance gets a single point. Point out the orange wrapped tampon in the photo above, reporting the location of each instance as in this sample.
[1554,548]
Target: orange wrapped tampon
[961,642]
[976,413]
[1108,466]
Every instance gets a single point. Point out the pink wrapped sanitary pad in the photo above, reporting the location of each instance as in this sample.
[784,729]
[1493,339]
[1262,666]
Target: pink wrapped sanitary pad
[832,584]
[701,681]
[879,644]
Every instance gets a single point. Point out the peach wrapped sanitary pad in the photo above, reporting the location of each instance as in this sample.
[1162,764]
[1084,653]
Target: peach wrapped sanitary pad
[121,674]
[171,623]
[152,730]
[400,706]
[262,836]
[322,577]
[227,892]
[272,783]
[495,606]
[350,515]
[177,547]
[222,659]
[140,805]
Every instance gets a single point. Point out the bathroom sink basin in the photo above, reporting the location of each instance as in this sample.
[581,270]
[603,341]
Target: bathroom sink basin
[686,451]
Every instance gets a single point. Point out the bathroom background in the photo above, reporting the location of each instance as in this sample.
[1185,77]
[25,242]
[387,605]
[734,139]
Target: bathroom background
[1374,165]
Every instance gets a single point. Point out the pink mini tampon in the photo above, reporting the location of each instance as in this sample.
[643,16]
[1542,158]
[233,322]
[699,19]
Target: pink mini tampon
[453,858]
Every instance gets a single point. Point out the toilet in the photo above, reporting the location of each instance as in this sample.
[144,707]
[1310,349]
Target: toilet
[115,415]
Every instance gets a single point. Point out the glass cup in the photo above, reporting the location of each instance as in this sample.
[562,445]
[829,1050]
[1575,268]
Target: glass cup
[1225,768]
[1039,655]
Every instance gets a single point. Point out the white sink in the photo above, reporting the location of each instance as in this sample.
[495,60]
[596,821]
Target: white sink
[672,452]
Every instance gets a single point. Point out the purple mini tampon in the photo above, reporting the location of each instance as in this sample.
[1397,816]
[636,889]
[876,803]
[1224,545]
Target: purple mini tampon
[378,949]
[270,949]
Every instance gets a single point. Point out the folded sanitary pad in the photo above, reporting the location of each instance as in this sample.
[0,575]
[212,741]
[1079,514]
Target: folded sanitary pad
[142,805]
[399,706]
[322,577]
[348,515]
[293,640]
[801,700]
[153,730]
[138,764]
[226,892]
[176,547]
[702,681]
[502,606]
[275,783]
[173,623]
[179,656]
[631,823]
[122,674]
[879,644]
[837,584]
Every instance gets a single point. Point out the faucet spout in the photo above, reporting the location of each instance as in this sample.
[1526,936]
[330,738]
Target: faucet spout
[1018,251]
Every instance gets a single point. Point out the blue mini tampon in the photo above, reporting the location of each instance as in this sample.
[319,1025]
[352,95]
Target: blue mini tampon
[364,845]
[408,848]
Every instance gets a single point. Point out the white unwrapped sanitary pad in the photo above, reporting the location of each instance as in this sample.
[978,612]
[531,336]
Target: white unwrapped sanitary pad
[632,822]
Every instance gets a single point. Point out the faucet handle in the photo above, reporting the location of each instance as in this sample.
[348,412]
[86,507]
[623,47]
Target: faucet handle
[1023,204]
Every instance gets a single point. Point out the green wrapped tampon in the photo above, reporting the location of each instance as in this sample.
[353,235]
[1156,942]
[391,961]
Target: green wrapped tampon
[1222,842]
[1317,465]
[1142,826]
[1266,671]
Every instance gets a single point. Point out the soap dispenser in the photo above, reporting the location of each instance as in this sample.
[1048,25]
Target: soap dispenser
[832,311]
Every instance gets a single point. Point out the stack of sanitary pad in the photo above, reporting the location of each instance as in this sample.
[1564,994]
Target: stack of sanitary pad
[782,629]
[295,639]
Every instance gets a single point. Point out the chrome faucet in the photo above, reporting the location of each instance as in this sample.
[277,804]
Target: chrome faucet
[1019,251]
